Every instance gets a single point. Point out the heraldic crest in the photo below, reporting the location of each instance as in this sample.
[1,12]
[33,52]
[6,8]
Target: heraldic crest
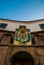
[22,36]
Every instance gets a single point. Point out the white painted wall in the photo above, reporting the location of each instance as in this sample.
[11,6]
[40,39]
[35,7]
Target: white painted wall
[33,26]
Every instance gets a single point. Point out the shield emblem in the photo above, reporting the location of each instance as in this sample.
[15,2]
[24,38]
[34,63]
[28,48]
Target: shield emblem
[22,36]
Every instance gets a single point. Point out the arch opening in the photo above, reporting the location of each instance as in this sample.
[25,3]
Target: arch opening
[22,58]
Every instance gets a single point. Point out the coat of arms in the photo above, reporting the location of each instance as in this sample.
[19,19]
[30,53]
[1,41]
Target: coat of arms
[22,36]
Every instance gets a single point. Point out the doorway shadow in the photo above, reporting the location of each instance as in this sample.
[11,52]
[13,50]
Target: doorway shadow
[22,58]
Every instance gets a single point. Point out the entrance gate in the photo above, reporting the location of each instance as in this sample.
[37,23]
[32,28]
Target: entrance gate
[22,58]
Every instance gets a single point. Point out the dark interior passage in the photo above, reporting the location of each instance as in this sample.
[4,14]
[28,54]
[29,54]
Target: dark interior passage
[22,58]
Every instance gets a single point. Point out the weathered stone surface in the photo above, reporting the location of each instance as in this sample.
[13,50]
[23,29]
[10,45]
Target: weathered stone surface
[7,38]
[3,54]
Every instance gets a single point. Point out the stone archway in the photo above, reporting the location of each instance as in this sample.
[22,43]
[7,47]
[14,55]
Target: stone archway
[22,58]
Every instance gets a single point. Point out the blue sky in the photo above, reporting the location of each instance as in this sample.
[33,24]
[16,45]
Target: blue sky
[23,10]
